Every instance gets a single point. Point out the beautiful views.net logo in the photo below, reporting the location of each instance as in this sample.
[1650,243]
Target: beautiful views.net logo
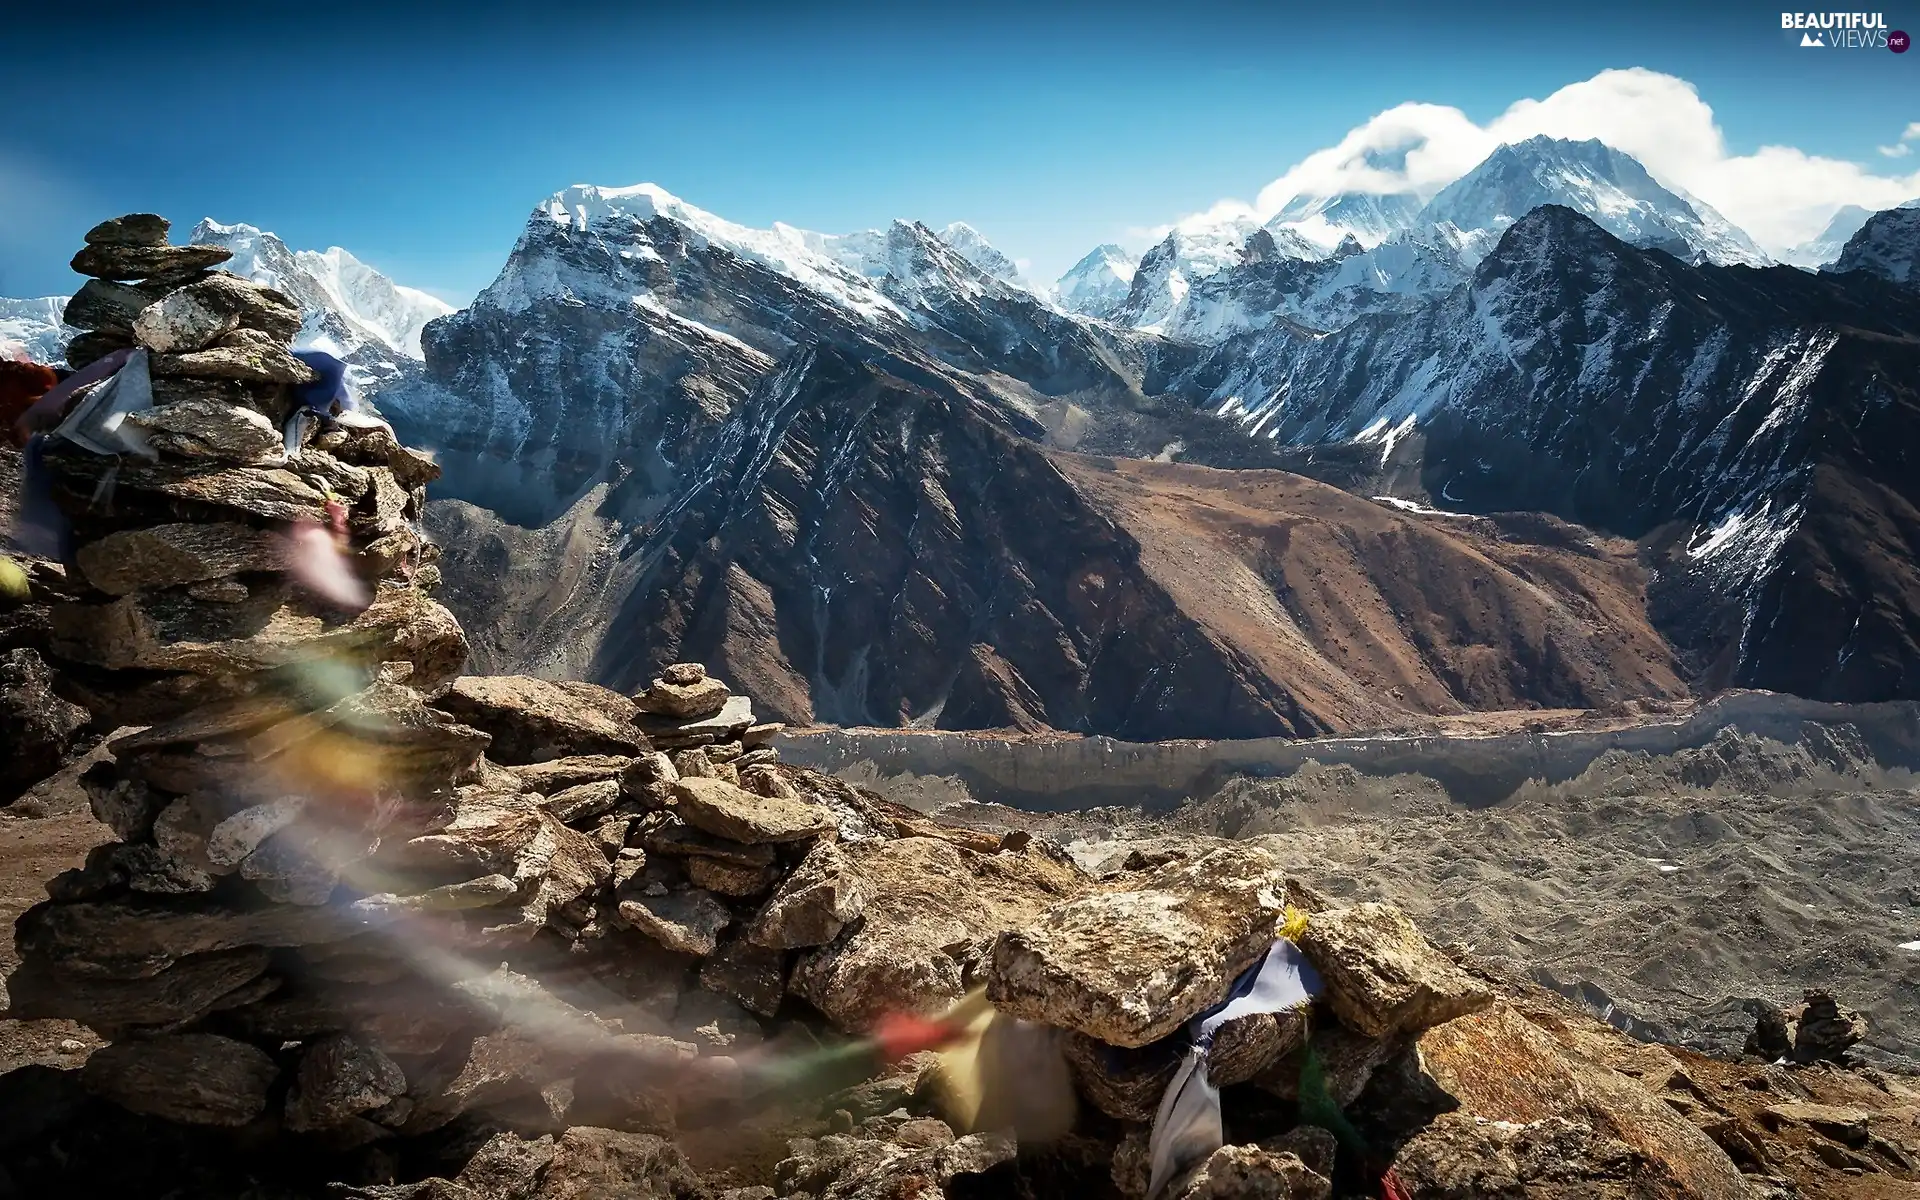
[1845,31]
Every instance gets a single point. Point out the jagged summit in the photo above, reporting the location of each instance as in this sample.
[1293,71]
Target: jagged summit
[348,308]
[1887,244]
[1606,185]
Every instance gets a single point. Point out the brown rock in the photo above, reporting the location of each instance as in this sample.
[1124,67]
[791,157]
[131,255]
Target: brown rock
[561,773]
[818,899]
[727,811]
[684,674]
[127,260]
[1502,1068]
[1382,976]
[601,1164]
[212,429]
[190,988]
[1125,1083]
[925,895]
[42,730]
[133,229]
[270,492]
[341,1076]
[704,697]
[1131,966]
[687,922]
[533,720]
[728,880]
[243,354]
[668,836]
[194,1078]
[162,556]
[1251,1173]
[1822,1029]
[584,801]
[752,976]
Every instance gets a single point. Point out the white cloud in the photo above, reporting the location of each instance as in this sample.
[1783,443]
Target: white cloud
[1900,149]
[1779,194]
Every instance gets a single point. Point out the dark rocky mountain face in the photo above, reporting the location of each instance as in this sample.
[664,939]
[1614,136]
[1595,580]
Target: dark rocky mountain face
[863,548]
[1759,424]
[621,347]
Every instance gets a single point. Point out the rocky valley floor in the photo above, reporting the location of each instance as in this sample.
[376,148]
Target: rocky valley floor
[1662,890]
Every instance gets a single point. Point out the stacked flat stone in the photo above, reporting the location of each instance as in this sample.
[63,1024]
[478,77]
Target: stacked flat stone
[276,806]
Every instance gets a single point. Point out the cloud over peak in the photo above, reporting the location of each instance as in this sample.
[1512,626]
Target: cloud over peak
[1779,194]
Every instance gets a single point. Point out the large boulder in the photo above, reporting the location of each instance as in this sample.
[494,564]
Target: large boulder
[929,903]
[818,899]
[194,1078]
[1133,963]
[163,556]
[130,260]
[535,720]
[726,811]
[1382,976]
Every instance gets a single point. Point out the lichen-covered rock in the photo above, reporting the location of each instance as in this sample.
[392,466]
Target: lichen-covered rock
[1251,1173]
[132,229]
[599,1164]
[339,1077]
[534,720]
[143,260]
[816,900]
[194,1078]
[687,922]
[243,354]
[212,429]
[702,697]
[1130,965]
[162,556]
[729,812]
[752,976]
[726,879]
[192,317]
[1382,976]
[925,898]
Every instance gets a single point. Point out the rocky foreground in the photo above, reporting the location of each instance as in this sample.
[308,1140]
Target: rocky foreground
[363,926]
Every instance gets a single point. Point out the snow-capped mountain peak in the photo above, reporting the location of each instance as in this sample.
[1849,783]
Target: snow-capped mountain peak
[351,309]
[1887,244]
[1592,178]
[973,246]
[33,326]
[1097,285]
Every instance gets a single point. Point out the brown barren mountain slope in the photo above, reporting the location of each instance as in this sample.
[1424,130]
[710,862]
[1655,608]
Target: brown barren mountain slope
[1368,611]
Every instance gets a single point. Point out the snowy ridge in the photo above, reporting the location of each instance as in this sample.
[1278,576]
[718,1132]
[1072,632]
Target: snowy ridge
[1327,220]
[973,246]
[1887,244]
[35,327]
[350,310]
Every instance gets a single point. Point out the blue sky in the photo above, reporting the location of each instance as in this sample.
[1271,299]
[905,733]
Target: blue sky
[420,137]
